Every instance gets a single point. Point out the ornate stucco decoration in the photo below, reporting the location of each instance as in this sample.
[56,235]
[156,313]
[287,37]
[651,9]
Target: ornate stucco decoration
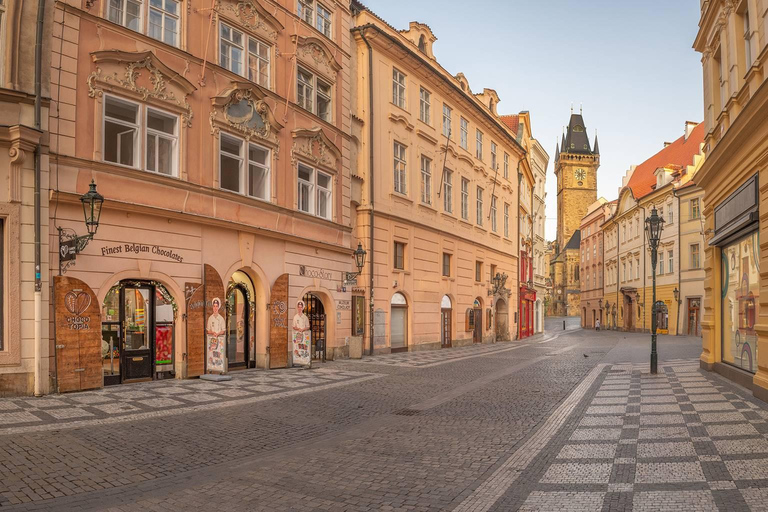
[143,74]
[242,108]
[254,17]
[402,119]
[314,146]
[315,53]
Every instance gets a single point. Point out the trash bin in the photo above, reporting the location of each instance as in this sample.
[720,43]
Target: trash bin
[355,347]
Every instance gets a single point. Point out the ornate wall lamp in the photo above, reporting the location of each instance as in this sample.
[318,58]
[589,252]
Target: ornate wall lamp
[359,255]
[70,244]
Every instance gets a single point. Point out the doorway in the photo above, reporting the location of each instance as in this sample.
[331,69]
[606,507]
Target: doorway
[477,331]
[502,319]
[445,322]
[137,332]
[238,326]
[398,341]
[628,310]
[315,311]
[694,306]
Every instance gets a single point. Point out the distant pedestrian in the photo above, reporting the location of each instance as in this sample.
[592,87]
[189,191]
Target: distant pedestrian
[597,325]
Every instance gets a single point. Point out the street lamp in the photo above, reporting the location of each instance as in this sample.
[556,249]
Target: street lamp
[499,280]
[359,255]
[676,293]
[653,227]
[70,244]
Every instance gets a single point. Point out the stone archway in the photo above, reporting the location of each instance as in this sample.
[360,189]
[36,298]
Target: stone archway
[501,312]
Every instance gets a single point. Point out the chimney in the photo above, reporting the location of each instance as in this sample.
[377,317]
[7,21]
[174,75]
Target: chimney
[668,143]
[689,126]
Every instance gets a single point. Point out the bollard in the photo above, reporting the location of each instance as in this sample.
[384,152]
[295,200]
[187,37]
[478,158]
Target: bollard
[563,324]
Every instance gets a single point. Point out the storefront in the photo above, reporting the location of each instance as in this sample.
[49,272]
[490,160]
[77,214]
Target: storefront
[527,300]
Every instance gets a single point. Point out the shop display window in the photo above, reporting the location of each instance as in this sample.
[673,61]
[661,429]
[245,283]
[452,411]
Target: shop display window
[740,287]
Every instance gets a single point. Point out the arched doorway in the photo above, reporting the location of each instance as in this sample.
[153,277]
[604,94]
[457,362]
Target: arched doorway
[137,332]
[537,316]
[240,322]
[502,320]
[315,311]
[445,322]
[477,321]
[398,329]
[628,309]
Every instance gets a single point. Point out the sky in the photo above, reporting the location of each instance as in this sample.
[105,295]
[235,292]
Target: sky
[628,63]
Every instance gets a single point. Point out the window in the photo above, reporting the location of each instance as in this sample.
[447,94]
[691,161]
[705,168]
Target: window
[661,212]
[231,49]
[400,169]
[447,120]
[695,212]
[493,155]
[630,269]
[162,142]
[478,271]
[426,180]
[318,102]
[479,206]
[126,13]
[670,214]
[506,220]
[506,166]
[671,261]
[398,88]
[424,106]
[464,133]
[258,62]
[493,213]
[399,255]
[624,271]
[695,256]
[464,198]
[315,193]
[448,191]
[446,264]
[661,263]
[304,10]
[233,175]
[637,268]
[479,145]
[164,20]
[323,20]
[121,132]
[747,41]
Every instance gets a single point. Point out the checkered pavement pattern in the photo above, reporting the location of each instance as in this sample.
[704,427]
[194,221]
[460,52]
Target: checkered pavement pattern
[679,440]
[429,358]
[150,399]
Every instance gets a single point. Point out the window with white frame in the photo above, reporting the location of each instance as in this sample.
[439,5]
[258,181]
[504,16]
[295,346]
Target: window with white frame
[747,40]
[506,220]
[315,192]
[493,156]
[670,214]
[506,165]
[671,260]
[479,206]
[231,49]
[695,211]
[493,214]
[630,269]
[479,144]
[313,94]
[424,105]
[447,111]
[162,142]
[164,21]
[465,198]
[304,10]
[637,268]
[399,168]
[695,256]
[398,88]
[126,13]
[426,180]
[448,191]
[661,263]
[121,131]
[232,55]
[323,20]
[243,173]
[464,133]
[258,62]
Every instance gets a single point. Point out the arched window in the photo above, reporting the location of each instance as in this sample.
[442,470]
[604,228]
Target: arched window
[398,299]
[422,44]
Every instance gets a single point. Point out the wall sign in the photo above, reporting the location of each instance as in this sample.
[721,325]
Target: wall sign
[215,325]
[344,305]
[314,272]
[129,249]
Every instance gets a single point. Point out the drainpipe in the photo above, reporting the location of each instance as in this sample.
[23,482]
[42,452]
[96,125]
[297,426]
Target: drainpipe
[370,180]
[645,276]
[38,239]
[679,260]
[618,258]
[519,316]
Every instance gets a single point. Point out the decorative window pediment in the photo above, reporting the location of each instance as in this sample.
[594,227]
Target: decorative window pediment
[144,75]
[315,146]
[253,16]
[314,52]
[242,108]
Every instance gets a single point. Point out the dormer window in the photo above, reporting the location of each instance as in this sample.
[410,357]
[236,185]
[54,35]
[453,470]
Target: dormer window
[423,44]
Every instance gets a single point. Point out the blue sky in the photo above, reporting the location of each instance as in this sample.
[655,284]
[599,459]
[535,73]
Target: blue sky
[629,63]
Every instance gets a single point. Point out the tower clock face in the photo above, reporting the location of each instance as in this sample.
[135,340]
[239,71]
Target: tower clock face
[580,174]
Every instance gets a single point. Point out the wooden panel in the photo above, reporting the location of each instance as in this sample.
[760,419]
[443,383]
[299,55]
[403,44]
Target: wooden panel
[214,289]
[278,323]
[78,335]
[195,329]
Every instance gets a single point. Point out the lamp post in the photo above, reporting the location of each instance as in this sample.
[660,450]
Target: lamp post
[676,293]
[70,244]
[653,226]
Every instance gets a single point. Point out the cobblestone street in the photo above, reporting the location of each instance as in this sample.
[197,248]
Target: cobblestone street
[567,420]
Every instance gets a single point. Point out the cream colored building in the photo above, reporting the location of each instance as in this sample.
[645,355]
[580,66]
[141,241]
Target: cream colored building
[539,162]
[733,42]
[435,187]
[24,325]
[691,263]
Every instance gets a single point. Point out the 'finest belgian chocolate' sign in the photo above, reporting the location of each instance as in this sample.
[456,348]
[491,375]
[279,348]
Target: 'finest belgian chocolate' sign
[129,249]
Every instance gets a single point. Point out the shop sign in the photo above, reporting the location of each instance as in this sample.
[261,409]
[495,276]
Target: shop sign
[141,249]
[318,273]
[344,305]
[739,209]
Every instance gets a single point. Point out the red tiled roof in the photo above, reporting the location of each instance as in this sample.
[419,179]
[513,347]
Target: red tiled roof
[680,152]
[512,122]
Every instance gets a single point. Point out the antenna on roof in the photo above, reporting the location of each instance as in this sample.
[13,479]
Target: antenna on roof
[581,108]
[571,107]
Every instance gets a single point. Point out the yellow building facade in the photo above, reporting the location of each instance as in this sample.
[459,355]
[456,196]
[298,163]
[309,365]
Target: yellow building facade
[436,191]
[733,41]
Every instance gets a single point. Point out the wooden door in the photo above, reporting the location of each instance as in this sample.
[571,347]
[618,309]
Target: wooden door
[278,323]
[693,317]
[195,297]
[398,340]
[445,328]
[477,333]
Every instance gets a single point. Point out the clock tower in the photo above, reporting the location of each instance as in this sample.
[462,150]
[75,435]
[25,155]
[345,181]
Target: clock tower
[576,163]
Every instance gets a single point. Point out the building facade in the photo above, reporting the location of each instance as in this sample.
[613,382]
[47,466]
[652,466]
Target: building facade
[219,139]
[539,162]
[435,187]
[576,164]
[592,272]
[628,290]
[732,39]
[24,325]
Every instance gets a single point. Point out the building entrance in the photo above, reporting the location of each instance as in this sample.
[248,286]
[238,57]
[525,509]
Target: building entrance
[315,311]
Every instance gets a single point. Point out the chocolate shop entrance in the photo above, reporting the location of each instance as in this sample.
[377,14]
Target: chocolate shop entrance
[313,308]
